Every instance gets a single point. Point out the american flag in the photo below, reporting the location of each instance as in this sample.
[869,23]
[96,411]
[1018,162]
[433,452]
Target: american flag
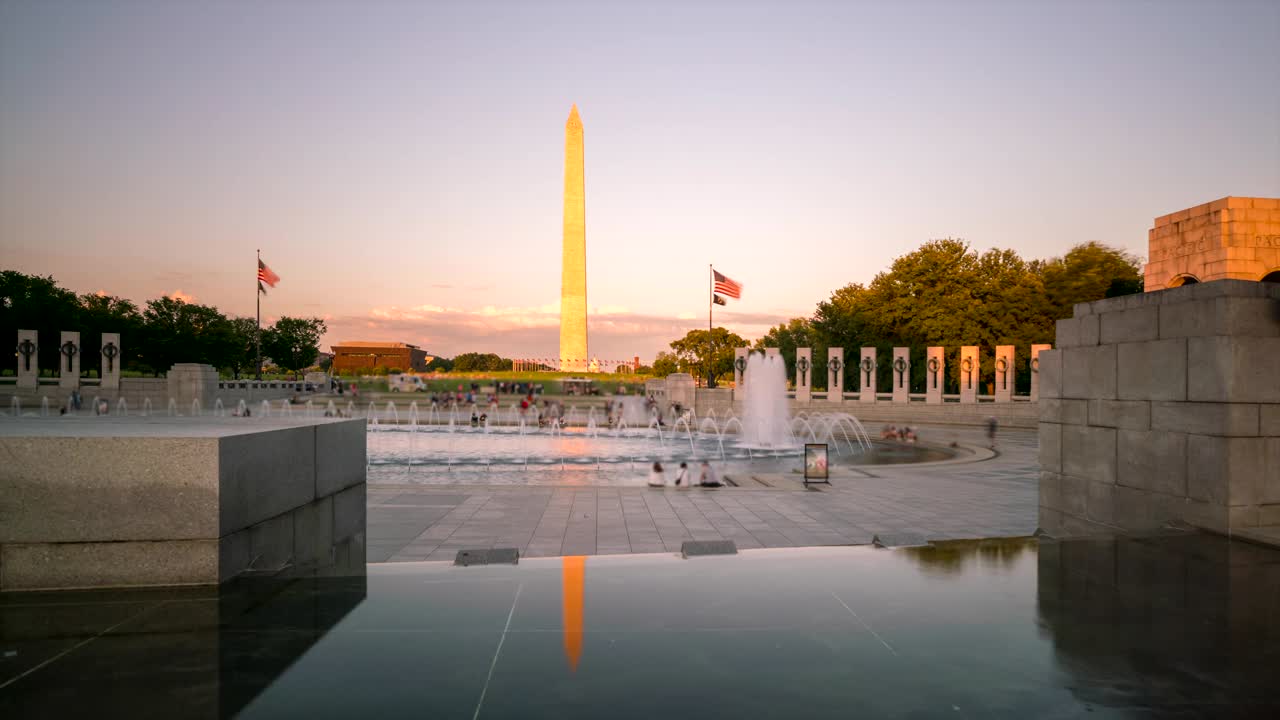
[266,276]
[727,287]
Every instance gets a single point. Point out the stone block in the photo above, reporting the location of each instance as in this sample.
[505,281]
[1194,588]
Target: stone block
[1089,372]
[1232,470]
[1251,314]
[1135,325]
[1269,420]
[1224,419]
[1271,471]
[69,366]
[900,375]
[80,489]
[1101,502]
[1050,374]
[1126,414]
[1233,369]
[1089,453]
[1152,460]
[313,532]
[1268,515]
[1050,447]
[1065,412]
[65,566]
[349,510]
[1075,495]
[1050,490]
[1083,331]
[1142,510]
[1154,370]
[234,554]
[1243,516]
[264,474]
[804,374]
[341,460]
[271,543]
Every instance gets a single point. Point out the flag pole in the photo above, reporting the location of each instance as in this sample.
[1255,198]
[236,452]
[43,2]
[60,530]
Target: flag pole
[711,304]
[257,293]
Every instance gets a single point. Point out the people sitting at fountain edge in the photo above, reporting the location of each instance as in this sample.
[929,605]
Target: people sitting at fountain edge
[682,475]
[656,477]
[889,432]
[709,478]
[475,419]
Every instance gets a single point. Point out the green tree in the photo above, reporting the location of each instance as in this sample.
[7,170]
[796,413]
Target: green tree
[293,343]
[174,331]
[31,302]
[796,333]
[665,364]
[101,313]
[241,354]
[480,362]
[440,364]
[1088,272]
[707,353]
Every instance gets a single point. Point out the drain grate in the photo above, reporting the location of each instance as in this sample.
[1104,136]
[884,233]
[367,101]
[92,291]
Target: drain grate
[487,556]
[691,548]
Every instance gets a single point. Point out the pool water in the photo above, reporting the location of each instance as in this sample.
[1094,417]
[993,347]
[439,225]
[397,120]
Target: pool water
[1175,625]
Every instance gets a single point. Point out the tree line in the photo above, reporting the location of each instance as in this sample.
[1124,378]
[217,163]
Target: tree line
[164,331]
[944,293]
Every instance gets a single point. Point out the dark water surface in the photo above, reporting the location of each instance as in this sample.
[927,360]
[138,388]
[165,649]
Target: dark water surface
[1170,626]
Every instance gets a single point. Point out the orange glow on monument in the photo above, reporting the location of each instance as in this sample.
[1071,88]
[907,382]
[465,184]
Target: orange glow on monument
[573,278]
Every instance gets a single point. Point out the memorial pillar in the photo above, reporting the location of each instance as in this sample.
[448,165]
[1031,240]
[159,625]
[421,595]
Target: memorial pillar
[970,373]
[867,375]
[934,374]
[1035,370]
[110,367]
[739,366]
[69,360]
[835,375]
[901,375]
[772,353]
[804,374]
[28,350]
[1006,374]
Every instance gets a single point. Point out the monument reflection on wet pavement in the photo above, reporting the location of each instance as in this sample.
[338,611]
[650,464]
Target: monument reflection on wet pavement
[1171,625]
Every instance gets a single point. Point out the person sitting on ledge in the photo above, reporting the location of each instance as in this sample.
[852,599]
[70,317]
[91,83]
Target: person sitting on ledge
[889,432]
[709,479]
[475,419]
[682,475]
[656,477]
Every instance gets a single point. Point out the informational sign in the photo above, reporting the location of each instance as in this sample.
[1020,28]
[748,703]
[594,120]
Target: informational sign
[815,463]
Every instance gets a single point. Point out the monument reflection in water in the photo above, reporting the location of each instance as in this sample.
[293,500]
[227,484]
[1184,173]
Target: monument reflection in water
[1176,625]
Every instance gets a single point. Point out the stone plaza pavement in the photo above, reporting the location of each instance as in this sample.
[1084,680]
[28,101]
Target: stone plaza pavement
[995,497]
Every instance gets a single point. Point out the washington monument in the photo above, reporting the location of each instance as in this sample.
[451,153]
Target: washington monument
[573,275]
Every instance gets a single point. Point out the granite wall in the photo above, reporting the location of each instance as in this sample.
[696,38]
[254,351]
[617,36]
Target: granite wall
[1164,407]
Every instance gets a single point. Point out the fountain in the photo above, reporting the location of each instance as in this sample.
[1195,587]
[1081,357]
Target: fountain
[765,415]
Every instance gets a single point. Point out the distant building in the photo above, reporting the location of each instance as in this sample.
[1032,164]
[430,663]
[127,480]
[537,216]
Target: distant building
[350,356]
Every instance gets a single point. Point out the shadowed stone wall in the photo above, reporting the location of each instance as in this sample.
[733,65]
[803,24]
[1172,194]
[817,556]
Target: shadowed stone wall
[1164,407]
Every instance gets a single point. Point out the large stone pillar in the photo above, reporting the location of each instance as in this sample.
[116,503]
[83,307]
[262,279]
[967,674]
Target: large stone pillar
[935,370]
[28,350]
[739,366]
[835,375]
[192,381]
[1035,370]
[772,353]
[573,272]
[69,360]
[901,377]
[804,374]
[1006,373]
[111,358]
[970,373]
[867,375]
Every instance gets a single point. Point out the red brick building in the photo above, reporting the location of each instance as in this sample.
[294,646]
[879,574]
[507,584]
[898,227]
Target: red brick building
[357,356]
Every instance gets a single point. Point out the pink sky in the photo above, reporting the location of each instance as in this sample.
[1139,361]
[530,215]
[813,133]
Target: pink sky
[400,164]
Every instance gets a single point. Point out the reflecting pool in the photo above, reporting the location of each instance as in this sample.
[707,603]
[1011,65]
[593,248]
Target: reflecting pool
[1173,625]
